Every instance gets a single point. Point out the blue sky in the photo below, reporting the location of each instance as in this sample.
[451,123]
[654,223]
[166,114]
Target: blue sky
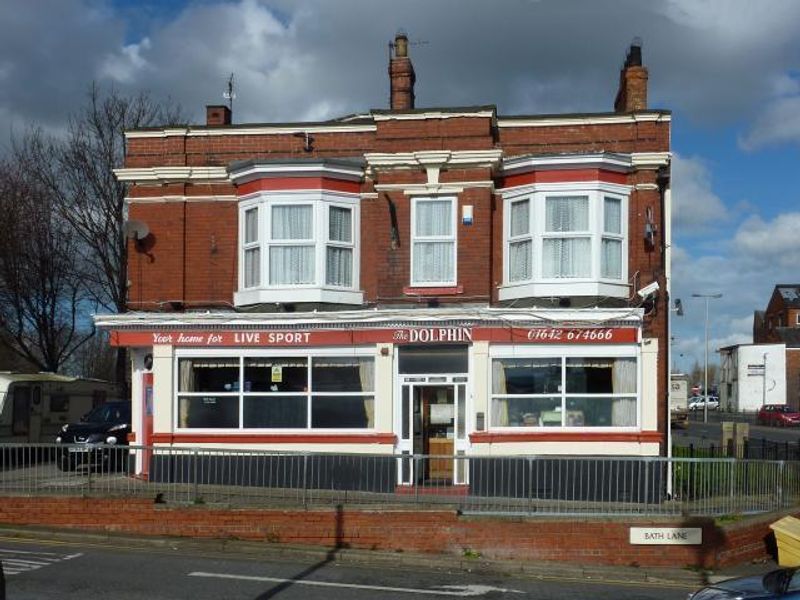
[728,69]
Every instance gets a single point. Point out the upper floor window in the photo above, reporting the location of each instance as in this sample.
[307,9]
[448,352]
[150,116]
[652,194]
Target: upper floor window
[560,242]
[298,249]
[433,241]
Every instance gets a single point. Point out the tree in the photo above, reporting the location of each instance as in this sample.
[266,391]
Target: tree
[79,172]
[43,297]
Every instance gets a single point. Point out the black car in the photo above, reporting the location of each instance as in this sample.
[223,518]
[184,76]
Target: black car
[781,583]
[101,438]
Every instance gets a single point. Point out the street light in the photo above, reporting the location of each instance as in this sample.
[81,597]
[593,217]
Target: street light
[705,369]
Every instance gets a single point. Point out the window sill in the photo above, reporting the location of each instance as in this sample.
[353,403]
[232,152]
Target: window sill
[584,434]
[563,288]
[294,295]
[433,291]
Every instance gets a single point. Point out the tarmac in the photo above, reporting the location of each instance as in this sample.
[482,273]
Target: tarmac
[545,570]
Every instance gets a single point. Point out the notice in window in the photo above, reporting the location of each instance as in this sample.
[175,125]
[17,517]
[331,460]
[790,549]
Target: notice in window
[277,373]
[442,414]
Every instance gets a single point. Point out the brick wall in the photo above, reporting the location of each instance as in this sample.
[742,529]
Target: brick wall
[793,377]
[581,541]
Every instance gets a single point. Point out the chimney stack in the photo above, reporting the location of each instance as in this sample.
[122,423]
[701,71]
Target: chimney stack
[401,75]
[632,92]
[218,115]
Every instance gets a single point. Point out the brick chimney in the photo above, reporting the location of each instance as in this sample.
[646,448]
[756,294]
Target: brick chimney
[218,115]
[632,93]
[401,75]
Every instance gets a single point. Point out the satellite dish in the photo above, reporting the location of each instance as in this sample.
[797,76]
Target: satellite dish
[136,230]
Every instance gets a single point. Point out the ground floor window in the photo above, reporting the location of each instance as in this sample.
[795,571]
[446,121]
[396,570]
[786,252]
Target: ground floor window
[286,391]
[564,391]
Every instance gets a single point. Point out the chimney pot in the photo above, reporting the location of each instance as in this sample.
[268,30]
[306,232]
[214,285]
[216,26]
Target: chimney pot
[400,45]
[218,114]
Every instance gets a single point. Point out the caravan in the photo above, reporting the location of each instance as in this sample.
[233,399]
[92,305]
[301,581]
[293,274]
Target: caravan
[35,406]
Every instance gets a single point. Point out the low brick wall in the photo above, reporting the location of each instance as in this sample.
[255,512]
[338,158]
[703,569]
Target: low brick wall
[582,541]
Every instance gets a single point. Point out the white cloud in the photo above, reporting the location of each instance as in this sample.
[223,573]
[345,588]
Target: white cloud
[126,65]
[695,205]
[323,58]
[772,242]
[778,123]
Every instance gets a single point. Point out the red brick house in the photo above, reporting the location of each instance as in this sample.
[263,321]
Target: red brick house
[445,281]
[779,323]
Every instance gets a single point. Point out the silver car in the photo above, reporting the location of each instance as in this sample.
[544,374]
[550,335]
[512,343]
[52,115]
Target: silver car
[699,402]
[781,583]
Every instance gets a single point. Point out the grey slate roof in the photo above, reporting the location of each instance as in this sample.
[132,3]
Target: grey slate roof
[790,292]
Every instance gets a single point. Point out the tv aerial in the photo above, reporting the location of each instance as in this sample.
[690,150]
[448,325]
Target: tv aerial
[229,94]
[136,230]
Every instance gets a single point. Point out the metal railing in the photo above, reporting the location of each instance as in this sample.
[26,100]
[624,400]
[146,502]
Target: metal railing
[514,485]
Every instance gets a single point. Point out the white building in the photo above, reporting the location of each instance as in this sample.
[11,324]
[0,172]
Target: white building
[752,375]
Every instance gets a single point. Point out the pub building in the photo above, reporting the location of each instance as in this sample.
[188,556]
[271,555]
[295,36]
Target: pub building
[445,281]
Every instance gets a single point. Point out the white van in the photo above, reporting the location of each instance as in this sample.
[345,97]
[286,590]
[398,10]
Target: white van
[34,406]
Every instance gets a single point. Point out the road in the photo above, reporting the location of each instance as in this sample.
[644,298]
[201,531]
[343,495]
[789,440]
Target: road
[36,569]
[700,433]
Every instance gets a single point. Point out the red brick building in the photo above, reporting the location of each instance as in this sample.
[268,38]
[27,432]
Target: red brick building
[413,280]
[780,324]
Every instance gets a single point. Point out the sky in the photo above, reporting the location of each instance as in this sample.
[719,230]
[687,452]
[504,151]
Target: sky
[729,70]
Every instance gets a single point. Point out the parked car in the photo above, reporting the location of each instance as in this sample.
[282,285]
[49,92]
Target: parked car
[101,438]
[781,583]
[699,402]
[778,415]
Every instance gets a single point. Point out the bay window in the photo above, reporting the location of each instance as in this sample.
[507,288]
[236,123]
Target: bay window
[564,391]
[298,249]
[565,240]
[276,392]
[433,241]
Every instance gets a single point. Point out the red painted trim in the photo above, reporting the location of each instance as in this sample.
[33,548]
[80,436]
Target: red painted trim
[352,337]
[274,438]
[563,176]
[565,436]
[298,183]
[433,291]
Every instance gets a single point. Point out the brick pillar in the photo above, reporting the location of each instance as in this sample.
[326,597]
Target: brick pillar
[401,76]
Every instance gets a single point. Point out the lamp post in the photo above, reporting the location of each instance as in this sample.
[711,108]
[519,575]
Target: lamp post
[705,368]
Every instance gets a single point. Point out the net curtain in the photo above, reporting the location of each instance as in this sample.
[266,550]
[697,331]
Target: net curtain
[433,260]
[292,264]
[567,256]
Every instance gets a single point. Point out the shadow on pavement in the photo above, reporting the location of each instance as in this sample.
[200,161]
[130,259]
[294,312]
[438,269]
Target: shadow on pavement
[329,558]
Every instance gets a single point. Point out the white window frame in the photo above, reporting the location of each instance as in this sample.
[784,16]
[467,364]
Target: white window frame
[269,242]
[612,236]
[593,285]
[250,246]
[318,290]
[340,244]
[241,354]
[453,237]
[521,238]
[564,352]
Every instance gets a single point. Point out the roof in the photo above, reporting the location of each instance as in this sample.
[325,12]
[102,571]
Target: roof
[790,292]
[11,376]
